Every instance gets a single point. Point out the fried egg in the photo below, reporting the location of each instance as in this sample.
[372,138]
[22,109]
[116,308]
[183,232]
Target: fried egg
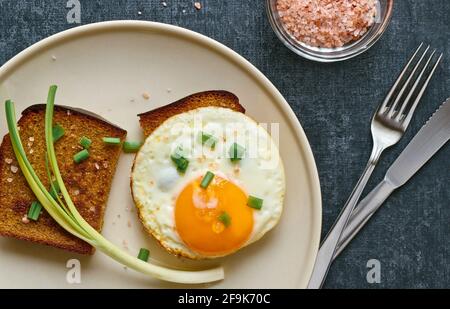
[208,182]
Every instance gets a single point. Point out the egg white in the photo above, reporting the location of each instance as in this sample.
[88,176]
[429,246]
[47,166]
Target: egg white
[156,183]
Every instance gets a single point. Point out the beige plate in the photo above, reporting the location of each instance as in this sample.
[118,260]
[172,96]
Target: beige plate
[106,67]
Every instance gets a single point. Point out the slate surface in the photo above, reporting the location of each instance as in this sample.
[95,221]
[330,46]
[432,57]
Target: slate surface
[334,102]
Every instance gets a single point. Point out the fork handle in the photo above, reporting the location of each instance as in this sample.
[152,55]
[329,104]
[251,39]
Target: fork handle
[363,212]
[329,245]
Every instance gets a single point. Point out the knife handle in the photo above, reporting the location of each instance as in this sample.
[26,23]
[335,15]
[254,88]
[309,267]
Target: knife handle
[363,212]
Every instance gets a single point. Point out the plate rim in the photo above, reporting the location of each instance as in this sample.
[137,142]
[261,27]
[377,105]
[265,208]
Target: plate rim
[301,138]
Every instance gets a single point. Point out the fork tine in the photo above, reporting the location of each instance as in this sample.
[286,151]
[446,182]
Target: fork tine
[392,108]
[383,106]
[408,117]
[413,88]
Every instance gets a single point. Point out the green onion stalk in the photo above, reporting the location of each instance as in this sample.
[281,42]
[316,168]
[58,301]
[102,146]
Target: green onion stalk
[64,212]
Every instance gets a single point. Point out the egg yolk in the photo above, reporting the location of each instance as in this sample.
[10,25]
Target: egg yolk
[213,221]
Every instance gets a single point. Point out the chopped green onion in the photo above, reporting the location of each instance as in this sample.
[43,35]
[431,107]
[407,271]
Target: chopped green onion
[236,152]
[57,132]
[131,147]
[181,162]
[207,180]
[81,156]
[255,202]
[112,141]
[225,219]
[208,139]
[144,254]
[85,142]
[35,211]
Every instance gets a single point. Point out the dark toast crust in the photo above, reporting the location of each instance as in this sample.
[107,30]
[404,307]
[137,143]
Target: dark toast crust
[151,120]
[88,185]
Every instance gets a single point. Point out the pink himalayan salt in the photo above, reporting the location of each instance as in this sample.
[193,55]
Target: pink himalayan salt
[327,23]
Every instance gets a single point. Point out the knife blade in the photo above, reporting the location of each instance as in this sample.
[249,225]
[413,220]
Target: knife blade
[431,137]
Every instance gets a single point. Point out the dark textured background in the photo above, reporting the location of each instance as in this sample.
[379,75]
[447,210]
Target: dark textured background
[334,102]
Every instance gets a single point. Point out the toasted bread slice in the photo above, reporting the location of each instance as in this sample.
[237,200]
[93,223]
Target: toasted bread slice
[88,183]
[151,120]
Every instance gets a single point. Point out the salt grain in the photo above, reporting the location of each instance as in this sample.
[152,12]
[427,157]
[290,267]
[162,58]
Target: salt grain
[14,169]
[97,167]
[76,192]
[164,4]
[31,139]
[198,5]
[8,161]
[9,180]
[146,95]
[327,23]
[25,219]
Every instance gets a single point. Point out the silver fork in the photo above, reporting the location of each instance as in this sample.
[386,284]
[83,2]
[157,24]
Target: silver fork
[389,123]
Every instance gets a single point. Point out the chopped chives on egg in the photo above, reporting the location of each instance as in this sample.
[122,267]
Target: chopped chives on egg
[208,140]
[112,141]
[225,219]
[144,254]
[57,132]
[85,142]
[35,211]
[255,202]
[236,152]
[181,162]
[131,147]
[207,180]
[81,156]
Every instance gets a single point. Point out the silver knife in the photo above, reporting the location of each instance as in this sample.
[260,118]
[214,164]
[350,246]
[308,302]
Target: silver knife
[432,137]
